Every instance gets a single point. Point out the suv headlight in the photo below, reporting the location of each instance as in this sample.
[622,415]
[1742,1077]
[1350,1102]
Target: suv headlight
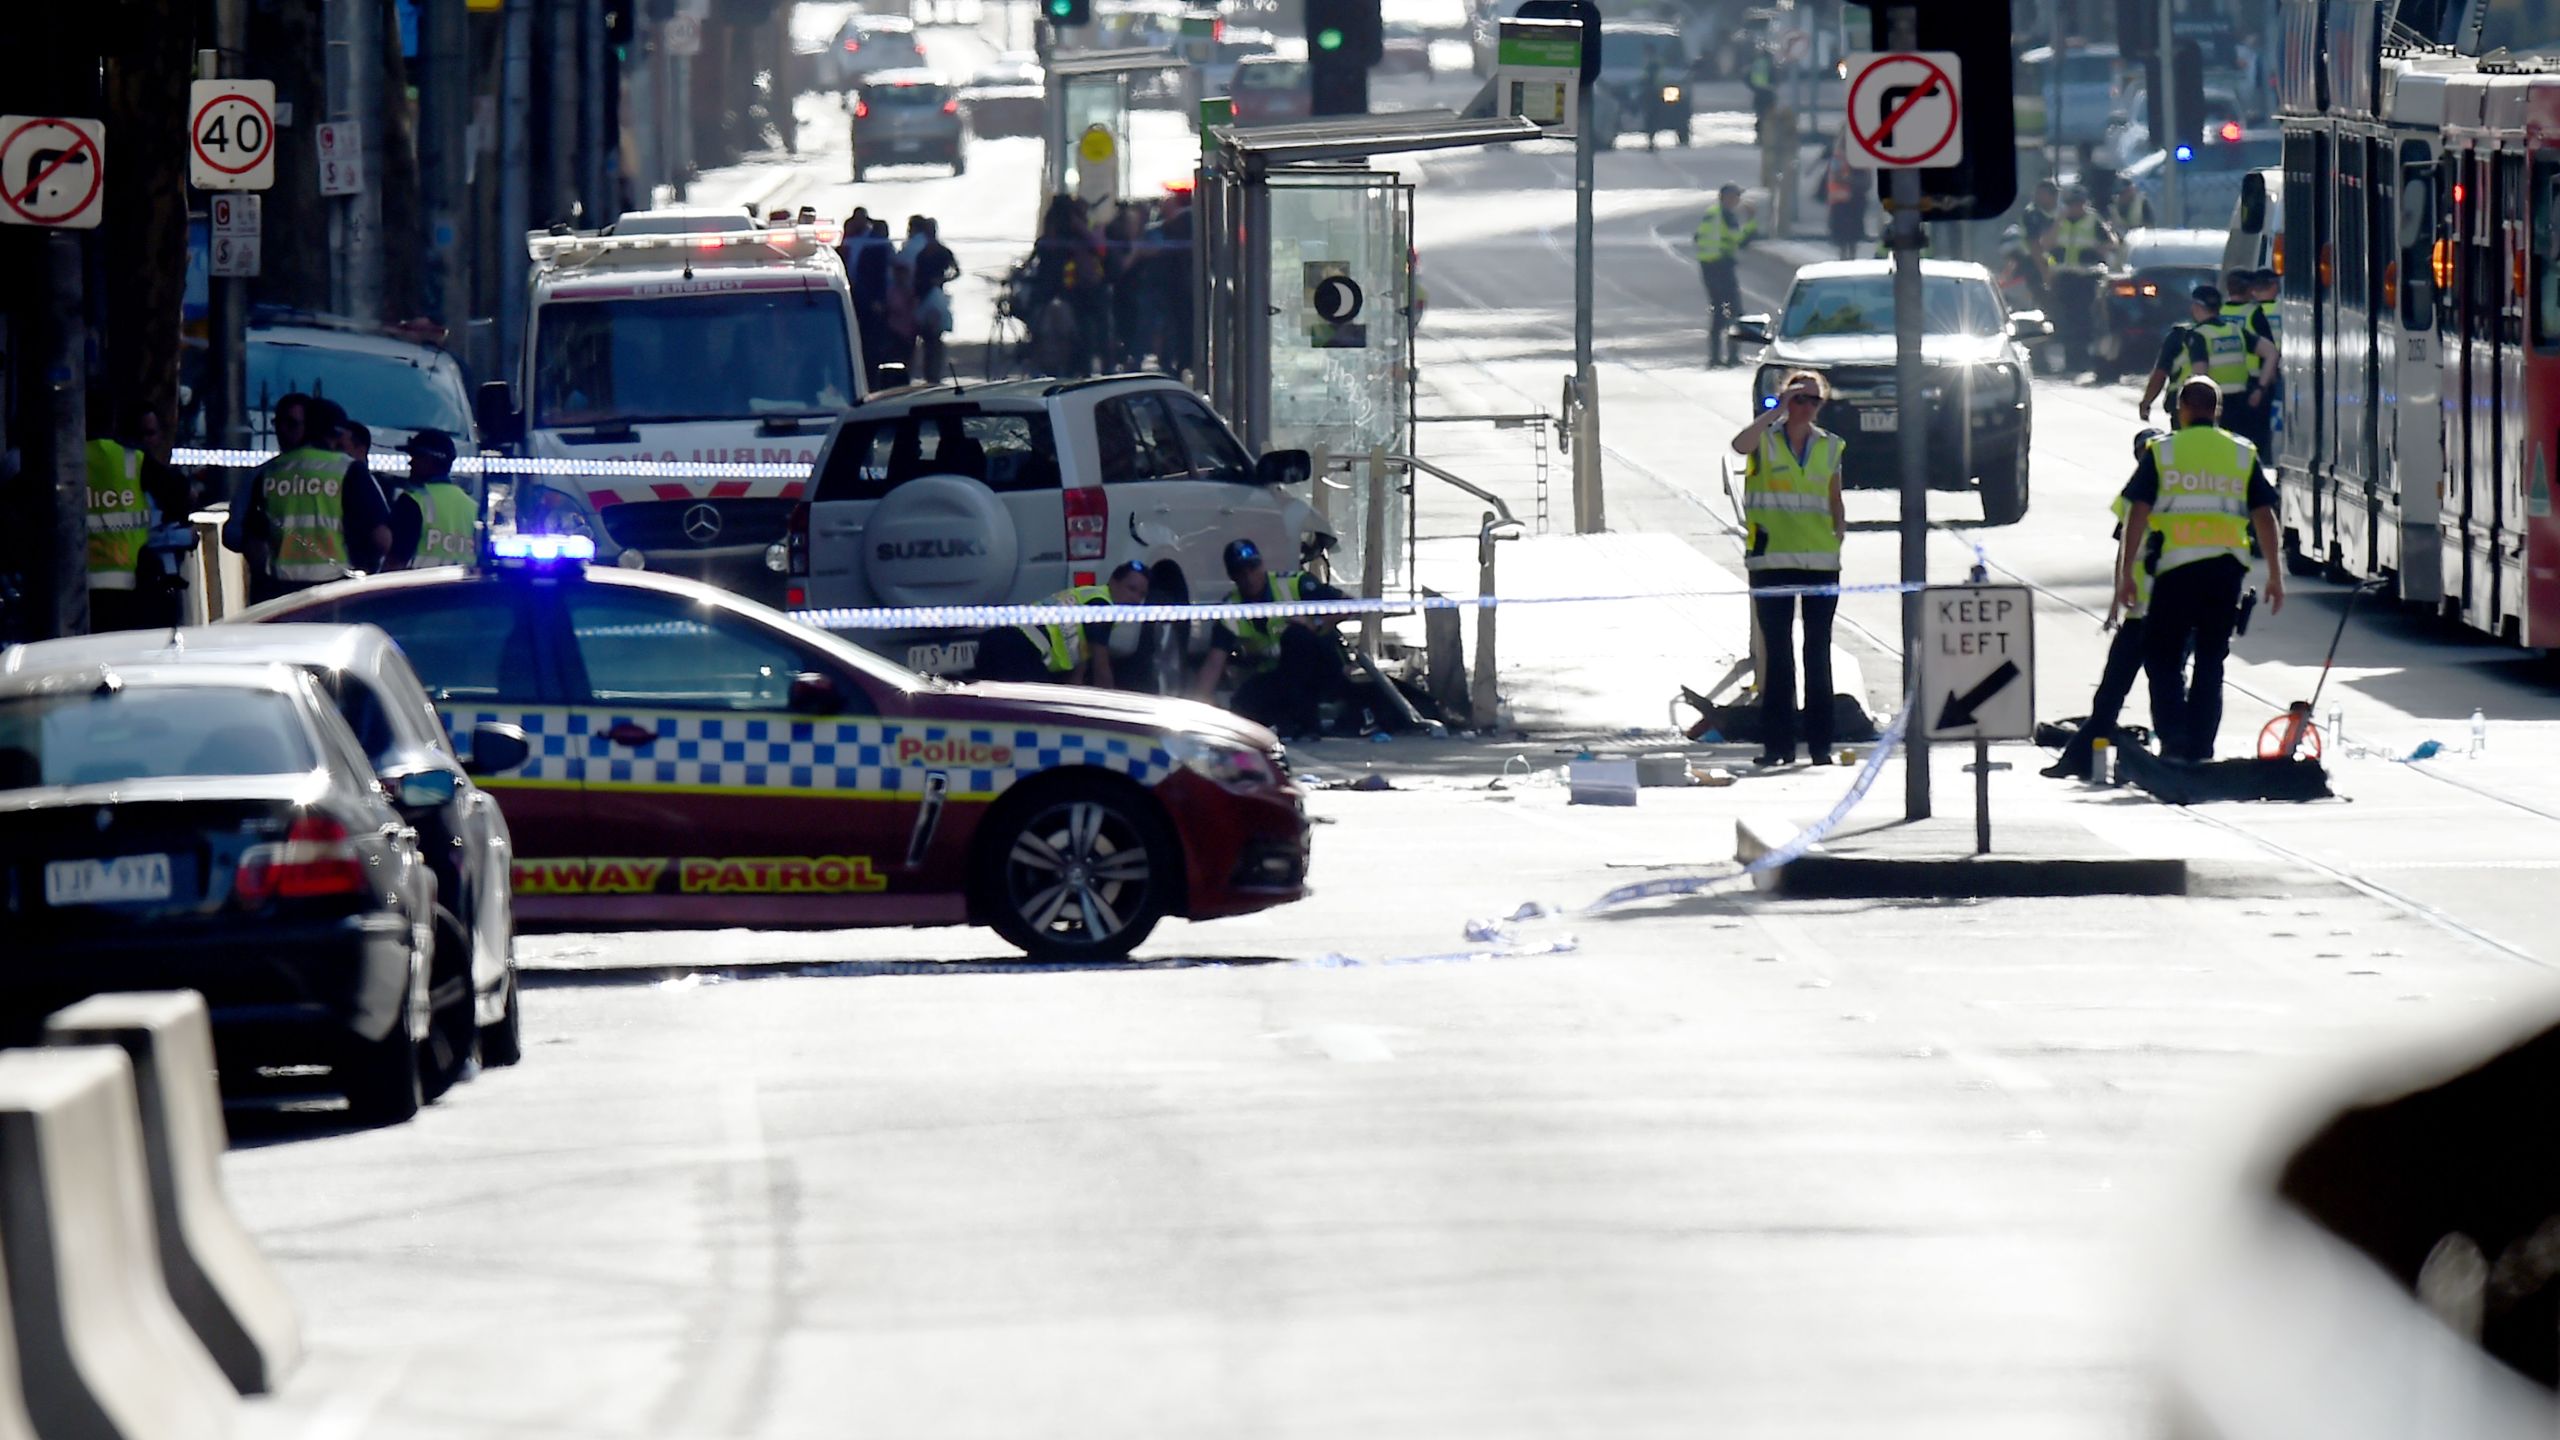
[1237,767]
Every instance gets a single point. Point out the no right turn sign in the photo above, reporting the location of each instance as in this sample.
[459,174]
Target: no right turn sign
[1906,110]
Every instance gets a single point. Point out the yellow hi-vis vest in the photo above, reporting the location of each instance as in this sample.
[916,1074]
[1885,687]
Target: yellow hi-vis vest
[2243,316]
[2075,242]
[2217,350]
[1722,239]
[2143,559]
[118,519]
[2203,505]
[1788,506]
[1062,644]
[448,523]
[304,492]
[1258,639]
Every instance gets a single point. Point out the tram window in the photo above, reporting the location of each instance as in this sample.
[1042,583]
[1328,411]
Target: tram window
[2546,255]
[2417,236]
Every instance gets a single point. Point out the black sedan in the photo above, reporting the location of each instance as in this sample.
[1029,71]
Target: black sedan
[1976,400]
[2152,292]
[215,828]
[460,830]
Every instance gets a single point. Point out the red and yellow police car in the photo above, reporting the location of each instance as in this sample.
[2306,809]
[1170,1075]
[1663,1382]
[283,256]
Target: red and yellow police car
[699,760]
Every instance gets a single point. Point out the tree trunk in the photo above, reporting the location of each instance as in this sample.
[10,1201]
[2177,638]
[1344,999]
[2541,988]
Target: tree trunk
[144,270]
[288,44]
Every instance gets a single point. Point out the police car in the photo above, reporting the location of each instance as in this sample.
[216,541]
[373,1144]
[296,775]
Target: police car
[700,760]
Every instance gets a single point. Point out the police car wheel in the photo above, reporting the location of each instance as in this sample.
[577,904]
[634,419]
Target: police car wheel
[384,1080]
[1085,873]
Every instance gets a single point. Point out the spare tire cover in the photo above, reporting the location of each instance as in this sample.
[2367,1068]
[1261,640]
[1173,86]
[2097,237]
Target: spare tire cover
[940,540]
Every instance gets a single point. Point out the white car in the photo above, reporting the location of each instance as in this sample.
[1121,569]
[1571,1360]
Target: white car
[1005,494]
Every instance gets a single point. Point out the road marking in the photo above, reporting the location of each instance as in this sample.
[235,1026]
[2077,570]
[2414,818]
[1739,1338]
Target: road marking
[724,1365]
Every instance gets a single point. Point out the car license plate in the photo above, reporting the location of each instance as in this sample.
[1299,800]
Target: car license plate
[1885,420]
[947,659]
[98,882]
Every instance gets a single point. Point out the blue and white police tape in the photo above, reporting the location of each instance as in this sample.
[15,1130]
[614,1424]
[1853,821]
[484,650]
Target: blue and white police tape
[393,462]
[959,617]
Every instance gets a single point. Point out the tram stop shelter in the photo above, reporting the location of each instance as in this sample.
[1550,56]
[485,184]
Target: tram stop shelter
[1304,280]
[1092,88]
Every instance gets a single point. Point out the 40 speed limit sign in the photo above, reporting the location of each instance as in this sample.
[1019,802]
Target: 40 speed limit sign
[231,134]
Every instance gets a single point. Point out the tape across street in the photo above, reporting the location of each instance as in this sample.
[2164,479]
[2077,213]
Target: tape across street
[1906,110]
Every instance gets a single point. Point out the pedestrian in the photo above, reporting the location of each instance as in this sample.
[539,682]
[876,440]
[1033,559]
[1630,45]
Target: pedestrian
[2044,206]
[869,282]
[368,502]
[1760,76]
[121,516]
[286,422]
[1124,269]
[2078,248]
[1727,226]
[1169,239]
[1288,665]
[1059,652]
[935,268]
[1845,189]
[2204,489]
[2124,652]
[305,510]
[1069,303]
[433,521]
[1792,504]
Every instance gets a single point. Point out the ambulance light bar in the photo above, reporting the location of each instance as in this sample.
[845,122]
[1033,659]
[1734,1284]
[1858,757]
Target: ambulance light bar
[795,240]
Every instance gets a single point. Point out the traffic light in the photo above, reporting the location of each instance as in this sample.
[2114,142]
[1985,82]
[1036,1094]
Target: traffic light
[2138,28]
[1063,13]
[1985,184]
[1344,38]
[2186,65]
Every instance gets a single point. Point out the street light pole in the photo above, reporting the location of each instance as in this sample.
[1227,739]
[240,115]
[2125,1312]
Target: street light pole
[1590,513]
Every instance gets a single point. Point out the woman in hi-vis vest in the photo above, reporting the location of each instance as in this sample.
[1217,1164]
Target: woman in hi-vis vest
[1791,505]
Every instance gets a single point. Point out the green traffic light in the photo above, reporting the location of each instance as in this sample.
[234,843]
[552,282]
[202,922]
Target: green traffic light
[1329,38]
[1060,8]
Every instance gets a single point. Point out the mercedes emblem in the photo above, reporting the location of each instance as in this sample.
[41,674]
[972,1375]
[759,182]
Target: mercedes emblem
[702,524]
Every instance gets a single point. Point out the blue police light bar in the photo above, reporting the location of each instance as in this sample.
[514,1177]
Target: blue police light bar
[2186,153]
[541,551]
[1768,402]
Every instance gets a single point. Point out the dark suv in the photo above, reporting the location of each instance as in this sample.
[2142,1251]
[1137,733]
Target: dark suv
[907,117]
[1976,401]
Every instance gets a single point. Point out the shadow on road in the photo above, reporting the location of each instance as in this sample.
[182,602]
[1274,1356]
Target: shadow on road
[613,976]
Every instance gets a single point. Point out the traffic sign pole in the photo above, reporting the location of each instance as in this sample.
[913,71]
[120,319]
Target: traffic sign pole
[1903,32]
[226,329]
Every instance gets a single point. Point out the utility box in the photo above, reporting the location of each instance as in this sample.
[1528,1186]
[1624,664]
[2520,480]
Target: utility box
[1538,73]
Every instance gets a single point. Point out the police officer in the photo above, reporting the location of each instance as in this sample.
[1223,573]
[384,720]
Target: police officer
[2248,413]
[1290,665]
[1761,77]
[2207,346]
[2204,490]
[2042,210]
[1727,226]
[2079,246]
[301,514]
[287,422]
[2130,210]
[1060,652]
[1791,502]
[120,520]
[434,521]
[2124,653]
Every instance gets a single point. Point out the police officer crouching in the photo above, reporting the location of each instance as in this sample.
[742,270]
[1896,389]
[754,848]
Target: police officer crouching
[1289,664]
[2124,653]
[2203,489]
[1058,652]
[434,521]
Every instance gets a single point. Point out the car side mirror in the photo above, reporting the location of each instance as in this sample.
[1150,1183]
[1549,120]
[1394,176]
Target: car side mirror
[1283,467]
[1749,329]
[423,789]
[494,406]
[815,694]
[496,749]
[2030,326]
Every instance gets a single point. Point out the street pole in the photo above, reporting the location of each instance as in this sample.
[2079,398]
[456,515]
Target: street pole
[365,101]
[599,134]
[1590,513]
[227,297]
[514,174]
[64,608]
[444,158]
[2166,45]
[1904,36]
[560,49]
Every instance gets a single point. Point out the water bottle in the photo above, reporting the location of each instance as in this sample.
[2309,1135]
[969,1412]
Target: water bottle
[2479,733]
[2337,728]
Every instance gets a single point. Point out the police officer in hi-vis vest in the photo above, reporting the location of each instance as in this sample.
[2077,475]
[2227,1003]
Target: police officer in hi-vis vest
[1289,664]
[2202,489]
[434,521]
[1727,226]
[1791,502]
[1057,652]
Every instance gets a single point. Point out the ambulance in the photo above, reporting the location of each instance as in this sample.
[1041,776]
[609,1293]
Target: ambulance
[680,370]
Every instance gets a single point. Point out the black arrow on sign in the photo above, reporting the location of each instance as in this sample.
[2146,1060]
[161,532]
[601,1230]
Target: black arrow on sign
[1959,708]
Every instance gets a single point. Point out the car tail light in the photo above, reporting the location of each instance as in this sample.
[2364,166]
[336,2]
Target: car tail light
[861,109]
[852,46]
[2125,289]
[950,107]
[2231,131]
[315,858]
[1088,522]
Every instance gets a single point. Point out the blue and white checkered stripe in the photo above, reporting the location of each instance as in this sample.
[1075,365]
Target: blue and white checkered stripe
[861,756]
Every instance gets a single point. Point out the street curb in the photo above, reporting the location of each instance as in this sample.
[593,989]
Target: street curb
[1818,874]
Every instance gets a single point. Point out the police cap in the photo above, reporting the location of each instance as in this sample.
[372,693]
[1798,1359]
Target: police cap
[1242,555]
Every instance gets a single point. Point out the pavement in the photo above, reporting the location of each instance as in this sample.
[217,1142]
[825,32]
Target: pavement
[1448,1149]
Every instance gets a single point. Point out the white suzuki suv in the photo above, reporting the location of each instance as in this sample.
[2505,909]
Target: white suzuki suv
[1006,493]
